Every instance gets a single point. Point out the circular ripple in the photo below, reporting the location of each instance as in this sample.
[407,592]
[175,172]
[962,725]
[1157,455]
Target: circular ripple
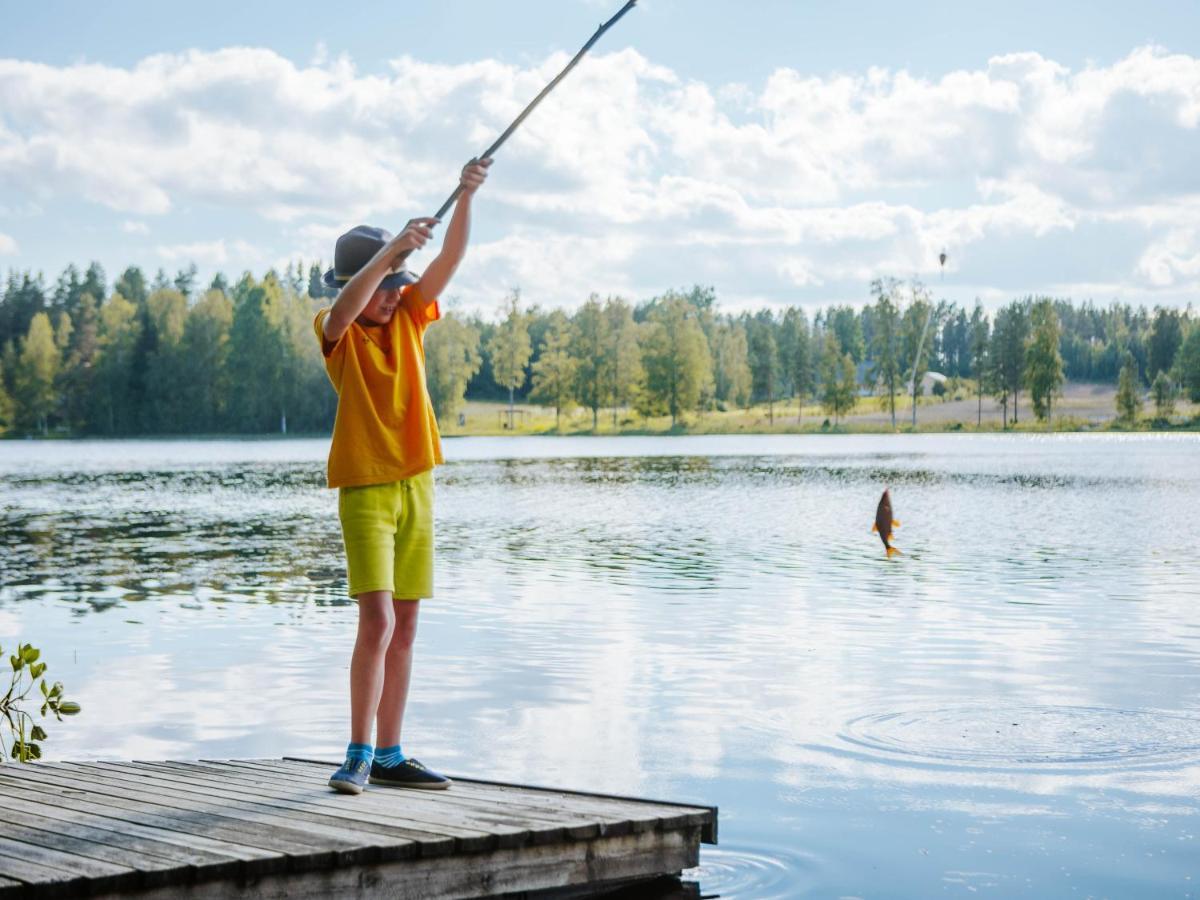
[761,874]
[1028,737]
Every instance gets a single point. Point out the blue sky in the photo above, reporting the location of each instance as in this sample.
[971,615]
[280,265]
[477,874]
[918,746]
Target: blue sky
[783,152]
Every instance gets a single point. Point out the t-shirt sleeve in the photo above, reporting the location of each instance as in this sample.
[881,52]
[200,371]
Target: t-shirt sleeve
[328,347]
[422,309]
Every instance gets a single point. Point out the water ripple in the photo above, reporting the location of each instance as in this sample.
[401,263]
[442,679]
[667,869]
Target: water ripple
[764,873]
[1028,738]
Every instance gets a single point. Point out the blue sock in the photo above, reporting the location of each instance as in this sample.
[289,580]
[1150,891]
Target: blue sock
[389,756]
[359,751]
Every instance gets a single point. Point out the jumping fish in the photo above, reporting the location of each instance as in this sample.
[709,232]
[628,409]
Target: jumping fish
[884,523]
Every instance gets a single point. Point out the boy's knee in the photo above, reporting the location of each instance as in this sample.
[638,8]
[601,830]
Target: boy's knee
[377,622]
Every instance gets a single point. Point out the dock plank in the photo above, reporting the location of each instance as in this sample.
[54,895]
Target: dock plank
[159,829]
[299,835]
[307,806]
[540,826]
[54,803]
[676,813]
[184,819]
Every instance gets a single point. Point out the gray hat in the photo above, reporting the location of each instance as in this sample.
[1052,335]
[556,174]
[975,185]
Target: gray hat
[355,249]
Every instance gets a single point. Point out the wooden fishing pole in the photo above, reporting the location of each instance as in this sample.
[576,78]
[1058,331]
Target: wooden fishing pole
[490,151]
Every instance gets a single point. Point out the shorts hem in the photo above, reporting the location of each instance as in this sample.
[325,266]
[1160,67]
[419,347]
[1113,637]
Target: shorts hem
[355,590]
[424,594]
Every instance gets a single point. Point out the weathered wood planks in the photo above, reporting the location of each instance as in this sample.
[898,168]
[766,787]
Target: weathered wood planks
[272,828]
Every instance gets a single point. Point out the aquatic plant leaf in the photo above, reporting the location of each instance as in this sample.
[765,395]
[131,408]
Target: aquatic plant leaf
[37,733]
[69,708]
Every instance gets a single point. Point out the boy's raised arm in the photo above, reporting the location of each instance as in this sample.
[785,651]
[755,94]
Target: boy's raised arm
[439,272]
[353,298]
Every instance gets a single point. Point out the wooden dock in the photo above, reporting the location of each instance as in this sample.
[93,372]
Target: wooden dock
[267,828]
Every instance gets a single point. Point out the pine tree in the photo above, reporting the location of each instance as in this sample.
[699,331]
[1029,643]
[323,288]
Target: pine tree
[132,286]
[1165,341]
[796,350]
[763,358]
[1188,361]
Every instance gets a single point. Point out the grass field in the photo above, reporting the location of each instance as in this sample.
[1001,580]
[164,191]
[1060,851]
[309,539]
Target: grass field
[1082,407]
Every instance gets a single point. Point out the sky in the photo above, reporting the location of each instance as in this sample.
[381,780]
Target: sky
[785,153]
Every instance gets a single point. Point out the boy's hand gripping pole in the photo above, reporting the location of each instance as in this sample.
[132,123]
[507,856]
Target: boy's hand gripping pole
[490,151]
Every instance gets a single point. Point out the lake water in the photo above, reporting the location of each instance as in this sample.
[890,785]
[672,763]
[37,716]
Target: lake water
[1011,708]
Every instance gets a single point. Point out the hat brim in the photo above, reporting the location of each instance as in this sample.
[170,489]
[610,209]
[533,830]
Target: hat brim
[390,282]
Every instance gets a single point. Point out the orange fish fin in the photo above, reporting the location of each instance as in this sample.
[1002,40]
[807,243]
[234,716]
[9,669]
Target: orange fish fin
[874,528]
[892,551]
[895,523]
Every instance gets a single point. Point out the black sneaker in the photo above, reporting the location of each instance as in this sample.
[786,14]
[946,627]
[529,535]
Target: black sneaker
[351,777]
[408,773]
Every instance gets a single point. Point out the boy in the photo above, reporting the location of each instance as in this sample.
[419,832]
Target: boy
[385,445]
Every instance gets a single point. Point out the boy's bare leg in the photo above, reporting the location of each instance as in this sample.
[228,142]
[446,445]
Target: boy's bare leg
[397,671]
[376,625]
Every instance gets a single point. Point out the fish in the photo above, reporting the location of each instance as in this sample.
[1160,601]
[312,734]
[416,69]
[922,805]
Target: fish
[884,523]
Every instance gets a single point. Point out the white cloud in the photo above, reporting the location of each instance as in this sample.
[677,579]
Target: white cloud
[131,227]
[631,178]
[8,247]
[213,253]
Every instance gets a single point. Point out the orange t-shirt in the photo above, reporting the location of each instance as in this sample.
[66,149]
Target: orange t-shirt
[385,429]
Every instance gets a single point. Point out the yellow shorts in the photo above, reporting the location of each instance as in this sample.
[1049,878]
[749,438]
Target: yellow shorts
[388,533]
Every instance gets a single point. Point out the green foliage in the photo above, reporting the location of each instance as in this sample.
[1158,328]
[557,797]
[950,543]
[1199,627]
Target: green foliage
[623,371]
[509,349]
[1166,337]
[166,358]
[589,348]
[838,383]
[886,371]
[1188,362]
[37,371]
[763,358]
[732,377]
[26,733]
[1043,363]
[555,372]
[1007,355]
[1129,395]
[451,358]
[676,359]
[1163,390]
[796,355]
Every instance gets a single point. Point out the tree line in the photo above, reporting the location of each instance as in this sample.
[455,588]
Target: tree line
[167,356]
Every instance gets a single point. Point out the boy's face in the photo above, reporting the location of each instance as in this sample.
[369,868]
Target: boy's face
[382,306]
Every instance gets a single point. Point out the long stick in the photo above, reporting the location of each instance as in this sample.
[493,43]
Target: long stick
[536,100]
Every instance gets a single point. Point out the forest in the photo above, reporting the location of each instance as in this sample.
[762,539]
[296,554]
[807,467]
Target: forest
[166,355]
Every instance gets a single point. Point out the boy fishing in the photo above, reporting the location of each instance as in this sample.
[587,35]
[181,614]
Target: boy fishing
[385,445]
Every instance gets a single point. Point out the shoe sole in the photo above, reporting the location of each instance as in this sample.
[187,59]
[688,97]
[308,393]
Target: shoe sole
[426,786]
[345,787]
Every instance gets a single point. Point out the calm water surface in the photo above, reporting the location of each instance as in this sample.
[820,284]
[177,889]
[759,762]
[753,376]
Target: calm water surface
[1011,708]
